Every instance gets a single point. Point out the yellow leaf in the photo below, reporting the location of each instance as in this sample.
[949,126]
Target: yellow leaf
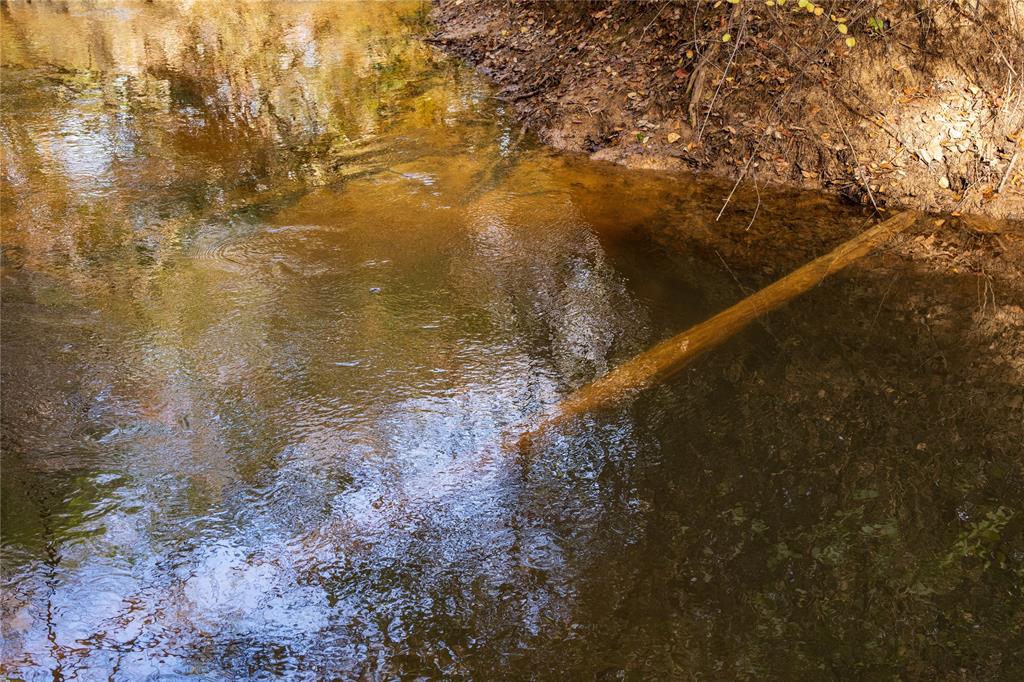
[726,38]
[851,41]
[672,138]
[843,29]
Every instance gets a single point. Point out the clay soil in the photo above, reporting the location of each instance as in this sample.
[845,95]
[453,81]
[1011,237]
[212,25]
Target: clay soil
[885,103]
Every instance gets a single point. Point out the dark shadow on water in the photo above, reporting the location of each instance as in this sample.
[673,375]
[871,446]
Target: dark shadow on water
[277,283]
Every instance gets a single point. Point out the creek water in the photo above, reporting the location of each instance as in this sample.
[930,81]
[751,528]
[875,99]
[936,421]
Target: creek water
[278,281]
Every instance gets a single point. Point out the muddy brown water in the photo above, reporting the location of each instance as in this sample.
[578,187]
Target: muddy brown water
[278,279]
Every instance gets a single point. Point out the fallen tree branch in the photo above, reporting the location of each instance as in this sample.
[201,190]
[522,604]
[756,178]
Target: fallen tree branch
[670,356]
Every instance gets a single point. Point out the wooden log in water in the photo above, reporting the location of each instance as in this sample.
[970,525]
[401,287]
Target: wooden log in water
[672,355]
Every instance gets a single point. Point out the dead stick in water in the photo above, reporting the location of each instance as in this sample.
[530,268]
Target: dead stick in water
[672,355]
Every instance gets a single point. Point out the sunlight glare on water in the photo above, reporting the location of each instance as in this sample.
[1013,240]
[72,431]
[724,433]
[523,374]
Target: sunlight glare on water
[278,281]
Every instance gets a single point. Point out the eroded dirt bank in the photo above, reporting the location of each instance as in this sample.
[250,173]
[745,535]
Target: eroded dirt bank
[890,102]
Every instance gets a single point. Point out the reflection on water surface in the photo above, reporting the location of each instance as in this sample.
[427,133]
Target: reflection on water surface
[277,279]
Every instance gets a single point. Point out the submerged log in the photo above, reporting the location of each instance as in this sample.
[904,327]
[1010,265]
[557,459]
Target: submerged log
[674,354]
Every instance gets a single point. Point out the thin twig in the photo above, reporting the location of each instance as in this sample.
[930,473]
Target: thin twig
[1009,170]
[736,47]
[881,303]
[783,101]
[660,10]
[756,208]
[856,159]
